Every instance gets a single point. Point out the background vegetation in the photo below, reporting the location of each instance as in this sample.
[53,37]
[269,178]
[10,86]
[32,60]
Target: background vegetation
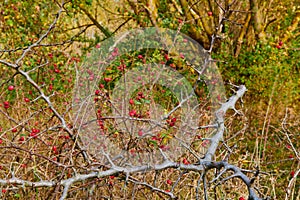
[254,42]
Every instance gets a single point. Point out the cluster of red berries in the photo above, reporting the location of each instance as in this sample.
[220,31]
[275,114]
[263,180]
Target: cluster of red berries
[77,60]
[100,121]
[185,161]
[56,70]
[156,138]
[280,43]
[171,121]
[121,67]
[115,52]
[6,104]
[107,79]
[54,149]
[140,96]
[21,139]
[34,132]
[164,147]
[133,113]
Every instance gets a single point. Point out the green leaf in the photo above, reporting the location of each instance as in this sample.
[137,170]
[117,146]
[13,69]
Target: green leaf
[137,102]
[153,142]
[147,101]
[17,195]
[10,22]
[89,2]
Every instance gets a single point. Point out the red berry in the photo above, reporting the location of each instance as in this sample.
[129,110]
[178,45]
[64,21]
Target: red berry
[22,138]
[185,161]
[242,198]
[14,130]
[122,67]
[278,47]
[1,141]
[107,79]
[131,101]
[209,13]
[171,124]
[114,54]
[169,182]
[33,135]
[54,148]
[292,173]
[280,43]
[97,92]
[173,65]
[167,57]
[35,130]
[56,70]
[132,113]
[11,87]
[140,56]
[4,190]
[154,138]
[132,152]
[205,143]
[6,104]
[140,133]
[138,98]
[164,147]
[26,99]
